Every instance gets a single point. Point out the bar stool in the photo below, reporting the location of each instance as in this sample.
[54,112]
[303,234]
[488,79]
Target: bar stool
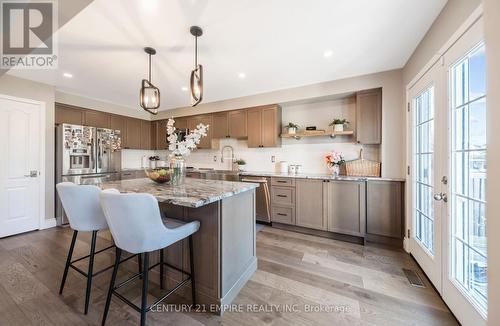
[137,227]
[83,209]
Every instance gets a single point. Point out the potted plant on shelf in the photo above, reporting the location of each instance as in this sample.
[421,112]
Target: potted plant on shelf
[241,164]
[334,160]
[292,128]
[338,124]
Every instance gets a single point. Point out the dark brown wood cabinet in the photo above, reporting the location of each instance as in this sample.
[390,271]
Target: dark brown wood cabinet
[133,133]
[264,126]
[206,119]
[96,119]
[145,134]
[161,134]
[220,125]
[68,114]
[369,117]
[237,124]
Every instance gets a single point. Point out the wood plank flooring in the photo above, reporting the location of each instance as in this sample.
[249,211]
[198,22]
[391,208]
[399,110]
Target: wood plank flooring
[301,280]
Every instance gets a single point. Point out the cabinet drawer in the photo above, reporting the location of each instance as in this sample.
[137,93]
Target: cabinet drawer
[287,182]
[284,215]
[283,196]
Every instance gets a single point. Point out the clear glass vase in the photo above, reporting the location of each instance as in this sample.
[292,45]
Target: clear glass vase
[178,168]
[335,170]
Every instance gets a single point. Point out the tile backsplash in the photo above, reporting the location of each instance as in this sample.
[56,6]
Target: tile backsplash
[131,158]
[310,156]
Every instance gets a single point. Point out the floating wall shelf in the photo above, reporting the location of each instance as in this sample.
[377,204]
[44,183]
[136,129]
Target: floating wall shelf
[299,135]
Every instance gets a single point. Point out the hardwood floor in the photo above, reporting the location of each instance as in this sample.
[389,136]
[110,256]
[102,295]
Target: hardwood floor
[301,280]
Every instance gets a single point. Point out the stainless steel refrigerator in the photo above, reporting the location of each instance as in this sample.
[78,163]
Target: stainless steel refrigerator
[85,155]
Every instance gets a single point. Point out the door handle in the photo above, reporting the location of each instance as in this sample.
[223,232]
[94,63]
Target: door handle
[33,174]
[441,196]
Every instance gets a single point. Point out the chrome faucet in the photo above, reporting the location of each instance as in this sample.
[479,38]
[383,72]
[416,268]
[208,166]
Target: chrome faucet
[232,155]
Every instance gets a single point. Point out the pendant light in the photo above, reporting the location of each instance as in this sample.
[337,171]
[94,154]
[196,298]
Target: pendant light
[196,80]
[149,96]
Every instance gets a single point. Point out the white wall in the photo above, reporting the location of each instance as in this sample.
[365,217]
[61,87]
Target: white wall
[392,151]
[23,88]
[492,41]
[454,13]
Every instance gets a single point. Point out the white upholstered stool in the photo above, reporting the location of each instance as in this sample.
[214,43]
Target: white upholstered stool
[136,225]
[82,206]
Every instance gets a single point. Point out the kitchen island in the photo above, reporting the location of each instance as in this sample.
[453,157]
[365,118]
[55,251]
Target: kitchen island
[224,246]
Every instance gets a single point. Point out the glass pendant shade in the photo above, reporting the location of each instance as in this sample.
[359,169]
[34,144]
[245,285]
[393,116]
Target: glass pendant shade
[196,85]
[149,97]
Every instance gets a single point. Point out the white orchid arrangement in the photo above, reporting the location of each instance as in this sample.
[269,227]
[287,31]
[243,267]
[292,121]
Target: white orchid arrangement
[183,148]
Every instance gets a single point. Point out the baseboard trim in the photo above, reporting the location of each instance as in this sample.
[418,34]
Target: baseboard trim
[48,223]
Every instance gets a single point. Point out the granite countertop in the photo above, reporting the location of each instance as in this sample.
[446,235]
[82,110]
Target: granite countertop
[192,193]
[320,176]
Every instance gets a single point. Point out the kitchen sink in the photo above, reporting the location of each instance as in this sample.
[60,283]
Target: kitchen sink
[214,175]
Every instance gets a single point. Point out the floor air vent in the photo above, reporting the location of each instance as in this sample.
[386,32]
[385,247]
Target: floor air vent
[413,278]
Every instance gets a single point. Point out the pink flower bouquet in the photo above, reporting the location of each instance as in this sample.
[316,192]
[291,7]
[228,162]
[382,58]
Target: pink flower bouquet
[334,158]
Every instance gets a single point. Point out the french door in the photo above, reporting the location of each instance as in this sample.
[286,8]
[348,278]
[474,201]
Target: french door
[448,176]
[427,173]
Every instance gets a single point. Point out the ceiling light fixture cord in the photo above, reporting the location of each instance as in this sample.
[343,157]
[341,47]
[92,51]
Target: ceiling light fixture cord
[149,68]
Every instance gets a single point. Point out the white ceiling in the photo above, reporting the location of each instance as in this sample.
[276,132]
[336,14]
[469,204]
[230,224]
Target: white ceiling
[277,44]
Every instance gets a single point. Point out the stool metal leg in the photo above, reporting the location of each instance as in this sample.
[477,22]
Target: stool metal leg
[90,271]
[111,285]
[144,304]
[68,261]
[162,269]
[139,262]
[191,264]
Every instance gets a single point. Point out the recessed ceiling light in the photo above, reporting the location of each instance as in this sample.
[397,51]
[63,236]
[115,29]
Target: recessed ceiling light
[241,75]
[328,53]
[68,75]
[184,89]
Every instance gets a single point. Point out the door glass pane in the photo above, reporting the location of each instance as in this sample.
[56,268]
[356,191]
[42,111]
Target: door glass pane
[423,159]
[468,112]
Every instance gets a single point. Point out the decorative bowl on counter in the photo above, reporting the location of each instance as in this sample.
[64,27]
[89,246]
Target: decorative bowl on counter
[159,175]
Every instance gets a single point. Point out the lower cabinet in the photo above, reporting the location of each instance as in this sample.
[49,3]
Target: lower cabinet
[384,217]
[285,215]
[311,208]
[346,207]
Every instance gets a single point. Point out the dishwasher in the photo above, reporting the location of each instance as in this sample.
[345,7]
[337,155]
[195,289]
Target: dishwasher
[262,198]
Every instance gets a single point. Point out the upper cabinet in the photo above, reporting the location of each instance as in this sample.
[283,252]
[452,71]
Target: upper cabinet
[264,126]
[161,134]
[68,114]
[133,134]
[237,121]
[232,124]
[220,125]
[97,119]
[145,134]
[206,119]
[369,116]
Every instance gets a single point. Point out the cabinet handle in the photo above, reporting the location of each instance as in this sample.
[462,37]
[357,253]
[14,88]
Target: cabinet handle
[281,214]
[281,181]
[282,195]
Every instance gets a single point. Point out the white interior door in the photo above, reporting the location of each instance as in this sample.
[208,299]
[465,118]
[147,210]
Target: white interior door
[19,166]
[426,173]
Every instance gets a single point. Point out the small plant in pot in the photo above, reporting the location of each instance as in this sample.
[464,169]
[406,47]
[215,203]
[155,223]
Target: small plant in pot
[292,128]
[338,124]
[241,164]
